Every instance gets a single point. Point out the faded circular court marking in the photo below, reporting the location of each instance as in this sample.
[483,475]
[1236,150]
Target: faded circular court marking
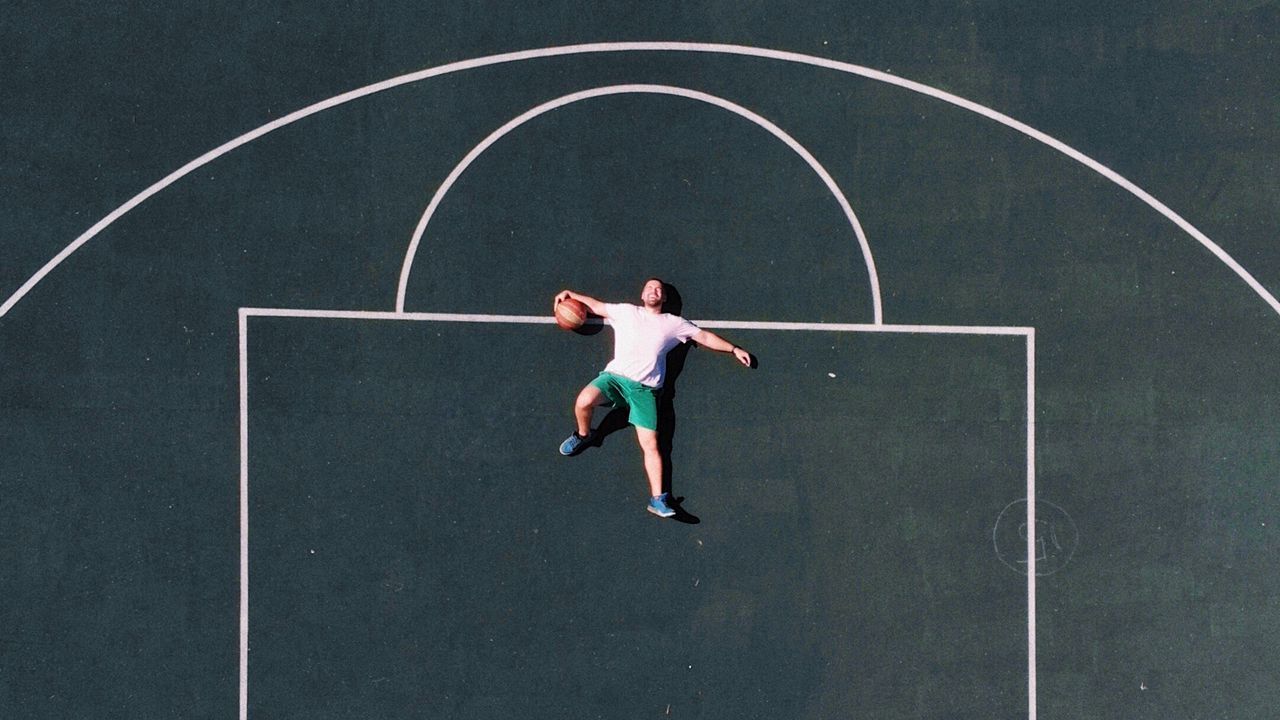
[1056,537]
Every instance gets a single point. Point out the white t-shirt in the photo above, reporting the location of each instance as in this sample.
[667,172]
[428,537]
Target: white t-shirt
[641,341]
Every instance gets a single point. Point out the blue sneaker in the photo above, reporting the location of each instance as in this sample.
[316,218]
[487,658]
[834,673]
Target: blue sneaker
[658,505]
[574,444]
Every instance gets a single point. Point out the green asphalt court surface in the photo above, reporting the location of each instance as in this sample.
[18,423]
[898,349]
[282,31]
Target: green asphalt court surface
[850,543]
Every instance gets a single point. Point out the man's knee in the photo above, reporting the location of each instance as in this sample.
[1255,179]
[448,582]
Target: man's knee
[588,398]
[648,439]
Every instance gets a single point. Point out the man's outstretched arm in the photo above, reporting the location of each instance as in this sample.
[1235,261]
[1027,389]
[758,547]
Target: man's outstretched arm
[594,305]
[712,341]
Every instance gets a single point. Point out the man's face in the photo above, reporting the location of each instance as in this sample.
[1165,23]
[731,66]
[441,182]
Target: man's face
[651,295]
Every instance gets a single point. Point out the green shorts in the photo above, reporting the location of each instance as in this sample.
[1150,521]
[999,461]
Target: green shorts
[641,400]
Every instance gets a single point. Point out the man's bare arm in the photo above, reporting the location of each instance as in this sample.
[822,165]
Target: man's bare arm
[712,341]
[595,306]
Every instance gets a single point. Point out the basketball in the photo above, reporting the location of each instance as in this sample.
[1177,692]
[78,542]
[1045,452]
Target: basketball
[571,314]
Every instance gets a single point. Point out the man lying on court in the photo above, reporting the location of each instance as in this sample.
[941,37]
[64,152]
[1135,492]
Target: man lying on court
[642,337]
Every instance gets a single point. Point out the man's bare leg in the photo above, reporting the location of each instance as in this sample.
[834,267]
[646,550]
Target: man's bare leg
[585,406]
[652,459]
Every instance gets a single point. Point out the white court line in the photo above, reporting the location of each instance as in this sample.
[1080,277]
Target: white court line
[246,313]
[711,324]
[244,514]
[1031,524]
[773,129]
[673,47]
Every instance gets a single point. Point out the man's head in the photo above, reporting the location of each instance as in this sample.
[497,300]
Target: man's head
[653,294]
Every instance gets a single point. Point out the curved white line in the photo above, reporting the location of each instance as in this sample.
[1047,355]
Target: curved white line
[716,48]
[562,101]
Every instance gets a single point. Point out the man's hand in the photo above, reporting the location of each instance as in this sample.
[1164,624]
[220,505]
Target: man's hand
[594,305]
[712,341]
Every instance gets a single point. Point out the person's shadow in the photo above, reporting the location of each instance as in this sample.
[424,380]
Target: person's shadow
[617,418]
[667,428]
